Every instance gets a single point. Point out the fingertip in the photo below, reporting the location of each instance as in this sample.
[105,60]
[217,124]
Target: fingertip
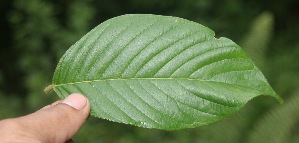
[51,105]
[76,100]
[63,119]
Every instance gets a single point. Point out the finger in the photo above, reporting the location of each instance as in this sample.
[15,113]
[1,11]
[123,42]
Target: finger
[69,141]
[58,123]
[51,105]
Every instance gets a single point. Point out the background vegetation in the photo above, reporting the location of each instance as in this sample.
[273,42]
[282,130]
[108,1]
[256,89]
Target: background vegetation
[34,34]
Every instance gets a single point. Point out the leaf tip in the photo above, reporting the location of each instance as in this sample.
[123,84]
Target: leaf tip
[280,100]
[48,89]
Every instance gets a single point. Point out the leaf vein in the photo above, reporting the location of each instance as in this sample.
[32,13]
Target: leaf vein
[184,49]
[142,49]
[178,101]
[136,108]
[160,50]
[105,49]
[134,38]
[113,104]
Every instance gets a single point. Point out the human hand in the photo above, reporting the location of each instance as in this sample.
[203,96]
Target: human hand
[55,123]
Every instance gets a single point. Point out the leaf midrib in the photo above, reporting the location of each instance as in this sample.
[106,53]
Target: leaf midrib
[124,79]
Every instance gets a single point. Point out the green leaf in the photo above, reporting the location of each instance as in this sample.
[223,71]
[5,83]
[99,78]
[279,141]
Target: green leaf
[159,72]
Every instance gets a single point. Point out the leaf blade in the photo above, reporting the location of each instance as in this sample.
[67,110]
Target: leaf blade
[159,72]
[158,94]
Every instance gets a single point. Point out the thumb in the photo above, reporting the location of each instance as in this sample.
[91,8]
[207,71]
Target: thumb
[58,122]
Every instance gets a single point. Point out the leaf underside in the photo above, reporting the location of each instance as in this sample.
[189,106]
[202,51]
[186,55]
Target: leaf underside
[159,72]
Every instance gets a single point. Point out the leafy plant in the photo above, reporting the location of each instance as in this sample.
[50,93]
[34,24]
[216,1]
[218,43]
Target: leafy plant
[276,119]
[256,41]
[159,72]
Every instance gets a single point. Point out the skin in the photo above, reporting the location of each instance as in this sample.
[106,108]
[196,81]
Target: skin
[55,123]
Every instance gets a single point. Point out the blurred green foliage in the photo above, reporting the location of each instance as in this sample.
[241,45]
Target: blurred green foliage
[36,33]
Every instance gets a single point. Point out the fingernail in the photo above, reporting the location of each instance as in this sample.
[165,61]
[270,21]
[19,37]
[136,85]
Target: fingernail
[76,101]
